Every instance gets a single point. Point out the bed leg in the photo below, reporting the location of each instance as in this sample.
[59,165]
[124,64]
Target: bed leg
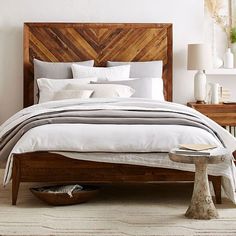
[216,181]
[15,180]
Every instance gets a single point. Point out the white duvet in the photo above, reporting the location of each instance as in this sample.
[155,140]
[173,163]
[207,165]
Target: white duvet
[121,143]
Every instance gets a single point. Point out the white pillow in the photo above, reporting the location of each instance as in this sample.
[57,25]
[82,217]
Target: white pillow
[151,88]
[56,70]
[48,87]
[72,94]
[105,73]
[141,69]
[105,90]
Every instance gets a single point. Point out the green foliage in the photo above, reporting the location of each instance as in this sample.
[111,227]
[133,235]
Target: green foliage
[233,35]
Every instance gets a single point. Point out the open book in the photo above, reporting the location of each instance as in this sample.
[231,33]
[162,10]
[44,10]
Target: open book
[195,149]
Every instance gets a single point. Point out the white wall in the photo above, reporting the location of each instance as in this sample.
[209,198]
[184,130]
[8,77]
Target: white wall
[226,81]
[187,17]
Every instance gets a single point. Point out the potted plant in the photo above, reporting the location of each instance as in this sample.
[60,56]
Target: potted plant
[233,43]
[233,35]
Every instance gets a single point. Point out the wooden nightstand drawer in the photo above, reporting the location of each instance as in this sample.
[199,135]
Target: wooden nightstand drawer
[223,114]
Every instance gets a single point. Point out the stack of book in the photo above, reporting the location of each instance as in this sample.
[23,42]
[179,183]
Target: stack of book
[224,95]
[195,149]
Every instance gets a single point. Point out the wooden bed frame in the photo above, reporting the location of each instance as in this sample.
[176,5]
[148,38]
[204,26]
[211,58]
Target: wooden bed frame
[64,42]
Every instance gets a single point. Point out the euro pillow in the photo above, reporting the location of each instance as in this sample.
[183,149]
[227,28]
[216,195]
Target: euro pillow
[151,88]
[56,70]
[104,73]
[49,87]
[145,69]
[105,90]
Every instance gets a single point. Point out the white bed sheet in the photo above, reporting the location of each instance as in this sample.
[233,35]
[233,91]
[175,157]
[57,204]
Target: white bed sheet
[110,138]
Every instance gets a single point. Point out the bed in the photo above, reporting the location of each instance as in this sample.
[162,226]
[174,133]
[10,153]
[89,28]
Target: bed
[65,42]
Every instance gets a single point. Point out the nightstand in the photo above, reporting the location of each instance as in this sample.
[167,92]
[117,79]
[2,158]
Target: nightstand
[223,114]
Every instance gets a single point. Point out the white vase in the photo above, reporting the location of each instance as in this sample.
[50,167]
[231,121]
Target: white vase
[200,86]
[215,93]
[217,61]
[233,49]
[228,59]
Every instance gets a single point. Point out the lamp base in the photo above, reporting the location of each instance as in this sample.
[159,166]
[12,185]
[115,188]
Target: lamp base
[200,86]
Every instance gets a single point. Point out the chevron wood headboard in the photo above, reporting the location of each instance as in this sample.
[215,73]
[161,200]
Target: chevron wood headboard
[65,42]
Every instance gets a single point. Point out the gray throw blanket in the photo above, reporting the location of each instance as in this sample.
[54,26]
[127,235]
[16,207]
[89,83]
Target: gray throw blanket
[118,113]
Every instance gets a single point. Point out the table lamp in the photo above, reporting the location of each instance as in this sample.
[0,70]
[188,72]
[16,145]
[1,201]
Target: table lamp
[200,59]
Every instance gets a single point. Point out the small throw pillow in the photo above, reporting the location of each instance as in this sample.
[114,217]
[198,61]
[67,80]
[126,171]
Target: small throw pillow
[104,73]
[48,87]
[72,94]
[105,90]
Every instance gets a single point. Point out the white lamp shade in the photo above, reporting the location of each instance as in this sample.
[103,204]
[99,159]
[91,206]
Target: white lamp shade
[199,57]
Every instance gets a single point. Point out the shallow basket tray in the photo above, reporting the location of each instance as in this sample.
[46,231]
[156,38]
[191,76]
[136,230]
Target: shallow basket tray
[60,199]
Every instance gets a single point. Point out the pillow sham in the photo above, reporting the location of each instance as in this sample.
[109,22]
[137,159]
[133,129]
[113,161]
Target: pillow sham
[151,88]
[72,94]
[105,90]
[56,70]
[48,87]
[104,73]
[145,69]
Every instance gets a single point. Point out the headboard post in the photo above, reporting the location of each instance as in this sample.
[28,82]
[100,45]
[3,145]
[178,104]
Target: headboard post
[66,42]
[169,70]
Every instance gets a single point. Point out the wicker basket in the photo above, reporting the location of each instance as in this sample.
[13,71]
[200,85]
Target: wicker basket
[60,199]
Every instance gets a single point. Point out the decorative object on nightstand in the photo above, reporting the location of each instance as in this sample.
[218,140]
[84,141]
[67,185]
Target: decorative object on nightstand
[215,93]
[199,58]
[225,95]
[201,206]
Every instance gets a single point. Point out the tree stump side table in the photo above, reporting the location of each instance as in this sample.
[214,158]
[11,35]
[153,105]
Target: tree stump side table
[201,206]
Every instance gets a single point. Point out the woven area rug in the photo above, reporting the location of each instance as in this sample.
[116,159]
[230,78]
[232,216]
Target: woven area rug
[140,210]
